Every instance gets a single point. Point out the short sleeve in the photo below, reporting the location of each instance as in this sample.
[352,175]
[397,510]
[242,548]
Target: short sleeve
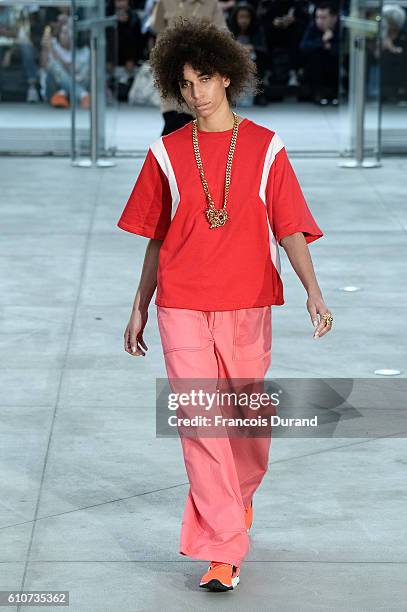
[148,209]
[287,208]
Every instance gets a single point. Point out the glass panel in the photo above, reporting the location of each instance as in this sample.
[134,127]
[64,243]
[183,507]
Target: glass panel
[81,98]
[35,120]
[93,120]
[36,91]
[359,81]
[394,77]
[30,122]
[110,52]
[140,120]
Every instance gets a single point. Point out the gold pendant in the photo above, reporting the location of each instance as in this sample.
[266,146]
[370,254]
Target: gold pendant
[217,218]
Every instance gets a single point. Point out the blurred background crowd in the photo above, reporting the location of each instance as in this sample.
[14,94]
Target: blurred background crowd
[295,44]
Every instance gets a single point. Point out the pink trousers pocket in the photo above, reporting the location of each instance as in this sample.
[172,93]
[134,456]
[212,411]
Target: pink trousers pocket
[180,328]
[252,333]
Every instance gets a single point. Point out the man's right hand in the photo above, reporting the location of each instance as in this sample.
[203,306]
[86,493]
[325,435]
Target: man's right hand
[133,335]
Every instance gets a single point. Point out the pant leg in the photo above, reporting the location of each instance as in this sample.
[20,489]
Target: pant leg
[322,72]
[28,60]
[213,520]
[330,65]
[313,71]
[198,344]
[243,350]
[63,78]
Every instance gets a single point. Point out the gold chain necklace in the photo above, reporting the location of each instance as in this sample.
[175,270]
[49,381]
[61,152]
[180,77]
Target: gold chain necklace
[216,217]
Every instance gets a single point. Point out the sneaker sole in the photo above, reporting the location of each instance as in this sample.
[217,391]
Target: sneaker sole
[217,585]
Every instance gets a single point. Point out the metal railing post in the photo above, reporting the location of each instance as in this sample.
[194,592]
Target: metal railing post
[95,27]
[360,45]
[74,18]
[94,123]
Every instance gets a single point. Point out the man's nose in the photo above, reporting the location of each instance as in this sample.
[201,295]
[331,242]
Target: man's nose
[195,92]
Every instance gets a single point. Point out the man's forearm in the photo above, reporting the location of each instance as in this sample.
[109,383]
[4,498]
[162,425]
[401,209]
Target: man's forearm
[148,279]
[297,252]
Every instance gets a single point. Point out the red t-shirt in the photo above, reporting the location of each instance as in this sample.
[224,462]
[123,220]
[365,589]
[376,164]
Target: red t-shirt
[230,267]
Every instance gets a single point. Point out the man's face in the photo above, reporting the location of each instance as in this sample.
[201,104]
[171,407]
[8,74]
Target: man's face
[244,19]
[324,20]
[64,37]
[121,6]
[202,92]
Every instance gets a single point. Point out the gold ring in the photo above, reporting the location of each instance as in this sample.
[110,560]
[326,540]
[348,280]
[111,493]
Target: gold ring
[328,318]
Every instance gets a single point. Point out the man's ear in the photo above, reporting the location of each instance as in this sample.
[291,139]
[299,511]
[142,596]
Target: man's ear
[226,81]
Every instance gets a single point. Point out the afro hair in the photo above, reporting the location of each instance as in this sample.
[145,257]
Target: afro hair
[209,50]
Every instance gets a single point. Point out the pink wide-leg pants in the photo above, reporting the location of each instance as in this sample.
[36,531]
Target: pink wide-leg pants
[223,472]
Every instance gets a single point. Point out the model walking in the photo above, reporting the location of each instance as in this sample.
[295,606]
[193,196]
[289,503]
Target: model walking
[216,198]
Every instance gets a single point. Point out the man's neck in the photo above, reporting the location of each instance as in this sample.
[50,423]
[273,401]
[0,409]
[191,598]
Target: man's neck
[218,122]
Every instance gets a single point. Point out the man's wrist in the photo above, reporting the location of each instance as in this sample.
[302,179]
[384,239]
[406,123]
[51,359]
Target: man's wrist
[141,302]
[314,292]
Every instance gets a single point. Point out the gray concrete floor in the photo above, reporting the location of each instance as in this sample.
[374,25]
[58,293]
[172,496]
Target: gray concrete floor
[91,500]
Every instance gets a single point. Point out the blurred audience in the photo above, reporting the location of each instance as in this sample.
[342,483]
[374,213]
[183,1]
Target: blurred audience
[15,32]
[393,36]
[125,52]
[295,44]
[243,25]
[58,66]
[284,23]
[320,49]
[392,57]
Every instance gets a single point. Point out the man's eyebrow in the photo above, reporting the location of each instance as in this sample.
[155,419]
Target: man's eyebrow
[201,74]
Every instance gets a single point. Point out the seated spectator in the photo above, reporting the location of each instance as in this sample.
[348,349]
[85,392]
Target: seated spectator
[320,48]
[122,61]
[15,26]
[394,53]
[284,23]
[228,6]
[394,18]
[58,69]
[244,27]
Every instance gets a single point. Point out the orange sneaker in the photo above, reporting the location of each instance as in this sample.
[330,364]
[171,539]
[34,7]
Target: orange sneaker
[220,577]
[248,516]
[59,100]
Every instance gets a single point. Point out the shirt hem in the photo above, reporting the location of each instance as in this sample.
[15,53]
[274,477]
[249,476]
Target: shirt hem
[309,235]
[140,230]
[207,307]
